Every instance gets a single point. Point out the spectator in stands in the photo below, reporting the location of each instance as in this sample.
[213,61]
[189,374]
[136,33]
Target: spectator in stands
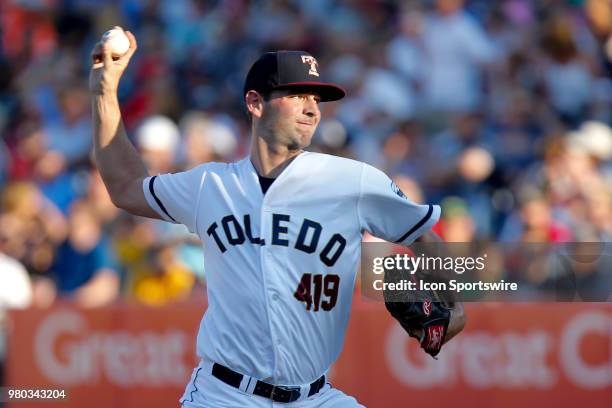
[599,14]
[31,228]
[163,279]
[581,270]
[32,159]
[206,139]
[405,151]
[158,138]
[599,207]
[456,225]
[457,49]
[567,75]
[84,268]
[67,136]
[534,222]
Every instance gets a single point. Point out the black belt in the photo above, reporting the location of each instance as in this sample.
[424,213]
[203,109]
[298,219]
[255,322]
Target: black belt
[277,393]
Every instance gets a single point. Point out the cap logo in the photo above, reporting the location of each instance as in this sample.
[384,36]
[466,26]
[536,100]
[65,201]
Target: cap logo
[307,59]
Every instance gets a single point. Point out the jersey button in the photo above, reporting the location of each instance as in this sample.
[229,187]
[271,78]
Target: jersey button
[275,297]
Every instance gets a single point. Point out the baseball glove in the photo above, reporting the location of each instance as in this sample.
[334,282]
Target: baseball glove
[420,313]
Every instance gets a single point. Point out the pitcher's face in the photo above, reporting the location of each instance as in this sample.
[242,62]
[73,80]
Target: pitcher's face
[290,118]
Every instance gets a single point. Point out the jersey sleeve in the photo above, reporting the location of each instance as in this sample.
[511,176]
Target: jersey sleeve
[387,213]
[174,196]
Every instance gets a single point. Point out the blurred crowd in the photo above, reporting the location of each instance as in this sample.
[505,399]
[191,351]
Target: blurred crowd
[500,111]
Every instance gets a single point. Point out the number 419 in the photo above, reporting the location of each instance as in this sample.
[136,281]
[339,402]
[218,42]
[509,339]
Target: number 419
[311,287]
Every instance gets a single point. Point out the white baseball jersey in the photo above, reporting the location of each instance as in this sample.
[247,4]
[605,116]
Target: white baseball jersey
[281,266]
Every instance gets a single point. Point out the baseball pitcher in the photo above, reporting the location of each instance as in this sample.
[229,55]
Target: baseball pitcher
[281,232]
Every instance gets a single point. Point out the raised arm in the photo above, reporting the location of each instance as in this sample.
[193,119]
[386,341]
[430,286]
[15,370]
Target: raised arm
[119,163]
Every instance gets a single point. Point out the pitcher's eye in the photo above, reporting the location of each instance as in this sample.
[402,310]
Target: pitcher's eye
[304,97]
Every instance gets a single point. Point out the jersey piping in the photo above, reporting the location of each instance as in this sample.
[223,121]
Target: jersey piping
[157,200]
[418,224]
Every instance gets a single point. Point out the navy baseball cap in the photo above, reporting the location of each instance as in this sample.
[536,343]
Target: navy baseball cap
[293,70]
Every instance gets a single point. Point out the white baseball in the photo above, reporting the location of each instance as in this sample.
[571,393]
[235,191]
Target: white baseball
[117,40]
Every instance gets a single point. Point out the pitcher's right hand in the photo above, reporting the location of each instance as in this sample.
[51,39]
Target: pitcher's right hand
[106,71]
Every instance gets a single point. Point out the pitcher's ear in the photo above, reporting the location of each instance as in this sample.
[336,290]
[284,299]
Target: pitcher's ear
[254,103]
